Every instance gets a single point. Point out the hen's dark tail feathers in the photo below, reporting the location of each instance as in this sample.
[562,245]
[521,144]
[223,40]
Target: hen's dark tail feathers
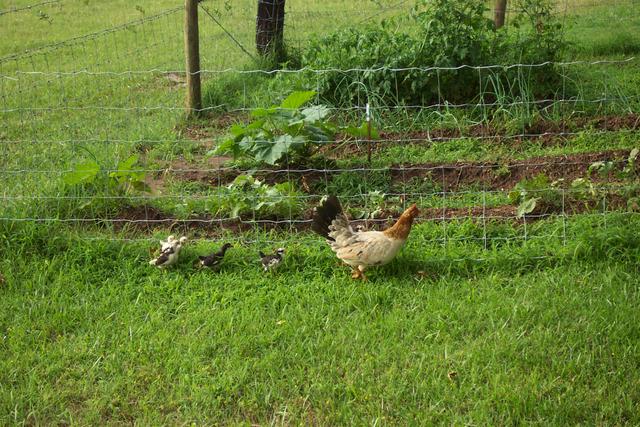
[328,210]
[262,255]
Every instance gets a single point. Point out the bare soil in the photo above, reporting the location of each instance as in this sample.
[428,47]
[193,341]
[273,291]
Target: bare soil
[450,176]
[504,176]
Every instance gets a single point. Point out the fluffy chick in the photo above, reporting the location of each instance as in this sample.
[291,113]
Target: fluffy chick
[270,262]
[215,258]
[169,252]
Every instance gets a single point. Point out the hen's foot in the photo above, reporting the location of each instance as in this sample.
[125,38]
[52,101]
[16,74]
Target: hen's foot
[359,274]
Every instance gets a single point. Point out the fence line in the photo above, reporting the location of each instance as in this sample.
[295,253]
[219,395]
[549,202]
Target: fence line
[86,87]
[223,107]
[399,168]
[87,37]
[23,8]
[330,70]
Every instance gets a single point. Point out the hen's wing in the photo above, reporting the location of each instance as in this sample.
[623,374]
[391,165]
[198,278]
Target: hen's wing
[164,257]
[365,248]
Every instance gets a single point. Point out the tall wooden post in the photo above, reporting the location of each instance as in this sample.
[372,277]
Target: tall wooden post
[192,56]
[499,13]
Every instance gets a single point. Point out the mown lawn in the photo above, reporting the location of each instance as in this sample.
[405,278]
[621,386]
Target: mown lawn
[477,322]
[543,333]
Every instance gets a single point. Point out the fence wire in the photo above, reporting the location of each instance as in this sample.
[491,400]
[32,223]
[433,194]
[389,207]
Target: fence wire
[80,108]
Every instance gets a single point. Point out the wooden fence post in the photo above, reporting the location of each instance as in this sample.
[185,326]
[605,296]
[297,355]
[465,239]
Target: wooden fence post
[192,56]
[499,13]
[270,28]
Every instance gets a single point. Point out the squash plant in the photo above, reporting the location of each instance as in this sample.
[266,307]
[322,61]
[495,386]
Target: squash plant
[125,179]
[285,133]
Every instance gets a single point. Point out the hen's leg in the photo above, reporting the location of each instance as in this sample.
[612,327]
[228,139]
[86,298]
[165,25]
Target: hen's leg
[361,271]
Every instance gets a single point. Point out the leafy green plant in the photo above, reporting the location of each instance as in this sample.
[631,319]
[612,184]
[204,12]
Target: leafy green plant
[247,194]
[585,190]
[631,167]
[537,194]
[124,179]
[375,204]
[245,197]
[627,173]
[285,133]
[448,34]
[602,168]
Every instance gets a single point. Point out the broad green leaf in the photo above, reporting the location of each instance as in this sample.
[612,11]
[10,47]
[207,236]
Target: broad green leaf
[247,143]
[317,135]
[290,141]
[124,167]
[237,130]
[294,127]
[262,112]
[272,152]
[315,113]
[284,115]
[82,173]
[241,180]
[227,146]
[527,207]
[362,131]
[258,124]
[297,99]
[128,163]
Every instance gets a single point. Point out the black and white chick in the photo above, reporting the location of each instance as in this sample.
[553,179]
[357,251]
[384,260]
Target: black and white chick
[270,262]
[169,252]
[166,244]
[215,258]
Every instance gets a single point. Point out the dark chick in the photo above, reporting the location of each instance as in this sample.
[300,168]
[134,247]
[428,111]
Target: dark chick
[216,258]
[271,261]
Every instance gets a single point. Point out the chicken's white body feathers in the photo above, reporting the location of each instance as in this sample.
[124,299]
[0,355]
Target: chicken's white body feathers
[361,249]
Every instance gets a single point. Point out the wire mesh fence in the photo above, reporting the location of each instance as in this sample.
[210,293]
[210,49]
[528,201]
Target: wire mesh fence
[94,133]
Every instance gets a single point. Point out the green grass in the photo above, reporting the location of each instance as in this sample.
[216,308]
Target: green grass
[91,334]
[539,321]
[472,149]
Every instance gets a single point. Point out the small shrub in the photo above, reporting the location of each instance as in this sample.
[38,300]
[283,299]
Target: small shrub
[287,133]
[375,204]
[248,195]
[439,33]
